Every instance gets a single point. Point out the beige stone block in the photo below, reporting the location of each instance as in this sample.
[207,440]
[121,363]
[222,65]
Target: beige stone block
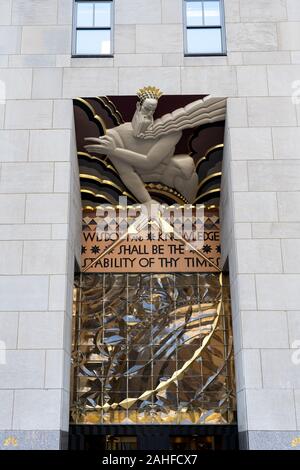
[47,83]
[295,57]
[10,39]
[288,206]
[259,256]
[236,113]
[275,175]
[279,370]
[41,330]
[63,114]
[47,403]
[294,331]
[6,410]
[27,293]
[65,11]
[251,143]
[200,61]
[252,81]
[90,62]
[168,38]
[266,10]
[31,60]
[9,329]
[218,81]
[242,410]
[137,12]
[124,40]
[297,404]
[286,142]
[25,232]
[251,37]
[5,12]
[47,208]
[171,11]
[11,258]
[245,285]
[17,83]
[57,292]
[248,369]
[4,60]
[166,78]
[34,12]
[58,364]
[63,60]
[232,11]
[23,369]
[89,82]
[60,231]
[62,177]
[235,58]
[269,112]
[174,60]
[278,291]
[248,207]
[291,255]
[263,329]
[138,60]
[26,177]
[28,114]
[50,145]
[45,257]
[276,230]
[265,58]
[14,145]
[289,36]
[264,413]
[12,208]
[242,231]
[282,79]
[293,10]
[46,40]
[239,176]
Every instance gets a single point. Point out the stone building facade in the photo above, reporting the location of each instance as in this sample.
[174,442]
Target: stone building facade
[40,197]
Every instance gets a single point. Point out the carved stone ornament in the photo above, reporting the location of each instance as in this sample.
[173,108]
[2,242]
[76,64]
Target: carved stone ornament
[142,150]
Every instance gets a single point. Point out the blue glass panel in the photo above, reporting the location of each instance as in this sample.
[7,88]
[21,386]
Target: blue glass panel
[204,41]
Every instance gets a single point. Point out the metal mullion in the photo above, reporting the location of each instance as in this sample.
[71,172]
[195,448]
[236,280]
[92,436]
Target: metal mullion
[93,13]
[93,28]
[205,27]
[223,31]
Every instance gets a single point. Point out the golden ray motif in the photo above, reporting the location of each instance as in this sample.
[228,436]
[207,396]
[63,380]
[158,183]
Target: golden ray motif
[209,402]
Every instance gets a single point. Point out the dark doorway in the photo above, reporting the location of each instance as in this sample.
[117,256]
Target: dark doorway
[177,438]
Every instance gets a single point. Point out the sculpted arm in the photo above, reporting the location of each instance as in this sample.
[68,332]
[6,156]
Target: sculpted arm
[159,151]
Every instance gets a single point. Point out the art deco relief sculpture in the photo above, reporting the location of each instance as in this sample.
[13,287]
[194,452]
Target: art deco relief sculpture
[142,150]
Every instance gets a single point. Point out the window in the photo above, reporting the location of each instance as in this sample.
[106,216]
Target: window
[92,34]
[204,27]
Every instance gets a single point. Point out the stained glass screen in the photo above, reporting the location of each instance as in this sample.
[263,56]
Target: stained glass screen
[152,348]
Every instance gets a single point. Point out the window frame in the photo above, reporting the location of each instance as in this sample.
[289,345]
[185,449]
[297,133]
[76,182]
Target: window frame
[76,28]
[221,26]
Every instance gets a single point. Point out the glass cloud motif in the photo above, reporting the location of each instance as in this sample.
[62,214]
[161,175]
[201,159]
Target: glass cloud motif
[152,348]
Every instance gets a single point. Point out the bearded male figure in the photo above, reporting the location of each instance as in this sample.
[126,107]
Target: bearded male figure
[142,150]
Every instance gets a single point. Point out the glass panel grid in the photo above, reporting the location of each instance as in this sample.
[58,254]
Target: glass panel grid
[204,27]
[121,362]
[93,28]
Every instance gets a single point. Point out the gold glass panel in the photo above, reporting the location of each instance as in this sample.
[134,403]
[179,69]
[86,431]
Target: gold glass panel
[152,348]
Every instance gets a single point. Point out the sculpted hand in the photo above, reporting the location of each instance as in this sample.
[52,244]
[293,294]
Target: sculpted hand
[104,145]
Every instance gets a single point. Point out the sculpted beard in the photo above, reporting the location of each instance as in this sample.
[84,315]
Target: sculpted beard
[140,123]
